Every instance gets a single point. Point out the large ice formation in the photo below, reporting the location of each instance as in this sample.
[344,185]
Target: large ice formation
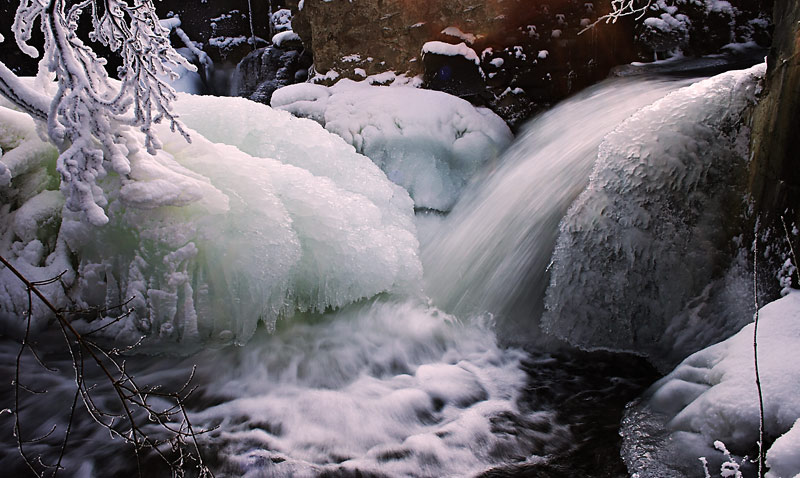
[492,251]
[206,238]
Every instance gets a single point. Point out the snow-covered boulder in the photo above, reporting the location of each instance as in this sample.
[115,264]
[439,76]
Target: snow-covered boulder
[712,396]
[207,239]
[429,142]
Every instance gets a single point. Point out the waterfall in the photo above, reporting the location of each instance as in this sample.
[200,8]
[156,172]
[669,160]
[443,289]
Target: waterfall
[366,378]
[491,254]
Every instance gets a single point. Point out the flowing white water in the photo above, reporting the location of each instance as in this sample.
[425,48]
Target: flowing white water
[395,389]
[398,388]
[491,253]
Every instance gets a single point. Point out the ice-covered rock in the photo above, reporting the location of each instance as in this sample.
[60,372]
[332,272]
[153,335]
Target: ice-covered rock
[647,236]
[207,239]
[429,142]
[712,396]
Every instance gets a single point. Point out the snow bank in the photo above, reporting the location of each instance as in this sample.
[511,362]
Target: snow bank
[210,238]
[783,458]
[712,396]
[645,237]
[429,142]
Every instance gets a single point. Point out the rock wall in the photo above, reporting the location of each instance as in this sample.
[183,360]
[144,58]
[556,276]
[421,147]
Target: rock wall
[775,171]
[774,183]
[530,54]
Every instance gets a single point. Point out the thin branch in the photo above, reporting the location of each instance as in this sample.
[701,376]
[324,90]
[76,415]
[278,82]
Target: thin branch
[761,454]
[132,400]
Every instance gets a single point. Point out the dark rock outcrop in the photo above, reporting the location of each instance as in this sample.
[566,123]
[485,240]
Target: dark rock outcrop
[265,70]
[775,170]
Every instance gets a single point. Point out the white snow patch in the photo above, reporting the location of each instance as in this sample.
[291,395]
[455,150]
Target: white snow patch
[711,396]
[285,36]
[783,458]
[447,49]
[226,43]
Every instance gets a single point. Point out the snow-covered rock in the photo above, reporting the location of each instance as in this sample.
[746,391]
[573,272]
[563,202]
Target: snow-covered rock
[783,458]
[429,142]
[447,49]
[712,396]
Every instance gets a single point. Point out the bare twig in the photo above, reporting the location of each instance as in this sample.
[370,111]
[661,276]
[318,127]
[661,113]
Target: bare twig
[135,409]
[622,8]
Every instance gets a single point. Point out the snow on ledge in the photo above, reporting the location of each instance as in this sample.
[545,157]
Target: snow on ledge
[457,33]
[280,38]
[447,49]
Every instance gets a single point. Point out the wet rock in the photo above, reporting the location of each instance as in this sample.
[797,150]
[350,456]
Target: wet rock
[265,70]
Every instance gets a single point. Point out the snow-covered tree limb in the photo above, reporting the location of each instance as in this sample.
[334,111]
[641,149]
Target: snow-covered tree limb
[92,118]
[624,8]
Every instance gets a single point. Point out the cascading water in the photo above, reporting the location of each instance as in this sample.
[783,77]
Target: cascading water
[392,386]
[491,253]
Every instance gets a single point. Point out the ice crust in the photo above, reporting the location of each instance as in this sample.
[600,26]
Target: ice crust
[645,237]
[712,396]
[209,238]
[429,142]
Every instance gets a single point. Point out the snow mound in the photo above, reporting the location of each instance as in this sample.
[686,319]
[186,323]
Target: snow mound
[783,458]
[209,238]
[429,142]
[645,237]
[284,37]
[712,396]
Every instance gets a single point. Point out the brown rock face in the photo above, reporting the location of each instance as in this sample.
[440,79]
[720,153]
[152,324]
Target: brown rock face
[775,171]
[530,53]
[774,183]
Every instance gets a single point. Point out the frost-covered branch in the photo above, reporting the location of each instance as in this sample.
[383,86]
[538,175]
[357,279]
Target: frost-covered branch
[91,118]
[623,8]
